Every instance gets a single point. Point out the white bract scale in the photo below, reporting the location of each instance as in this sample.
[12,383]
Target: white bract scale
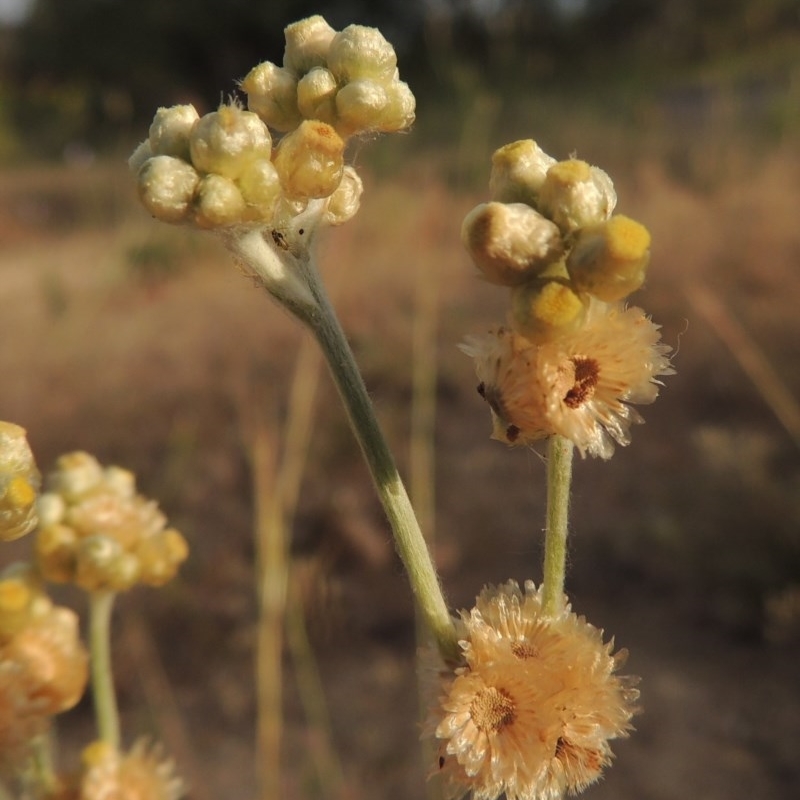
[272,94]
[518,172]
[361,52]
[307,44]
[227,141]
[166,188]
[170,131]
[575,194]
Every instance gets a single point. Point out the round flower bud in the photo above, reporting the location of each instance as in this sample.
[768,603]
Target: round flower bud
[316,95]
[170,130]
[518,172]
[510,243]
[307,44]
[344,202]
[141,154]
[310,160]
[575,194]
[361,52]
[50,507]
[96,559]
[219,203]
[18,590]
[166,187]
[75,474]
[399,111]
[56,552]
[227,141]
[19,483]
[272,94]
[360,106]
[609,259]
[545,308]
[160,556]
[260,188]
[122,482]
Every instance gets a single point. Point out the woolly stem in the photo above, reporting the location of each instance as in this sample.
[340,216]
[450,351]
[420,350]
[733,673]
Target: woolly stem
[105,701]
[559,479]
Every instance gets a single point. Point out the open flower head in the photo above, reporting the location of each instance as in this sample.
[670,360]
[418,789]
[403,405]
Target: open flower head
[534,705]
[581,385]
[19,483]
[98,532]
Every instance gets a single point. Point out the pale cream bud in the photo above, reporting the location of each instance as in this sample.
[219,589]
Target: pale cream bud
[166,186]
[170,131]
[56,552]
[141,154]
[19,483]
[361,52]
[75,473]
[510,243]
[307,44]
[219,203]
[225,142]
[575,194]
[160,556]
[316,95]
[344,202]
[360,106]
[272,94]
[260,187]
[310,160]
[609,259]
[96,559]
[518,172]
[546,307]
[120,481]
[50,507]
[399,111]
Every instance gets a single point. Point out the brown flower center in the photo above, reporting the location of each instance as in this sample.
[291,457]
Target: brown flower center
[587,373]
[523,650]
[492,709]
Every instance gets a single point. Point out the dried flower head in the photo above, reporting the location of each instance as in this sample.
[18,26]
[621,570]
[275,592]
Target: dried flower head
[532,709]
[143,773]
[579,385]
[19,483]
[98,532]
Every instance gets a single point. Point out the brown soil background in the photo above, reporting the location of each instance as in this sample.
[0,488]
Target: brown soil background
[146,347]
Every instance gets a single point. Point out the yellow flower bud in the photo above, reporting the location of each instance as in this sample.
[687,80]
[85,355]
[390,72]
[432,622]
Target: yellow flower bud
[166,188]
[575,194]
[19,483]
[310,160]
[75,474]
[50,507]
[272,94]
[344,202]
[260,187]
[227,141]
[56,552]
[399,111]
[609,260]
[307,44]
[518,172]
[170,131]
[96,559]
[160,556]
[361,52]
[545,308]
[219,203]
[17,594]
[360,106]
[316,95]
[510,243]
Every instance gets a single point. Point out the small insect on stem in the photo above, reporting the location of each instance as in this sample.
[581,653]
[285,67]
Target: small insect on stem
[280,240]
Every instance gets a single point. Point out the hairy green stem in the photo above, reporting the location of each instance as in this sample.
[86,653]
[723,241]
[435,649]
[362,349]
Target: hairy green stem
[408,537]
[559,479]
[101,605]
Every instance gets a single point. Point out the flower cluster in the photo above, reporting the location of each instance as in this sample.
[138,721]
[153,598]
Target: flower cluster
[224,170]
[19,483]
[572,357]
[143,773]
[43,664]
[532,708]
[97,532]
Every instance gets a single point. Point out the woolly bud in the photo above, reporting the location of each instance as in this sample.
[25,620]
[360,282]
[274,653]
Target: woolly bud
[219,203]
[399,111]
[142,153]
[316,95]
[344,202]
[170,131]
[310,160]
[307,44]
[361,52]
[575,194]
[19,483]
[609,259]
[160,556]
[260,188]
[360,106]
[166,186]
[518,172]
[544,308]
[510,243]
[272,94]
[227,141]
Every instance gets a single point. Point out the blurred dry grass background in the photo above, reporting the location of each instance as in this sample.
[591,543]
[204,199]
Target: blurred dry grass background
[142,344]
